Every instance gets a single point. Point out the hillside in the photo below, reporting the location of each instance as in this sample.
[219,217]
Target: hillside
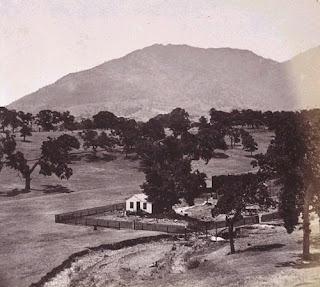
[159,78]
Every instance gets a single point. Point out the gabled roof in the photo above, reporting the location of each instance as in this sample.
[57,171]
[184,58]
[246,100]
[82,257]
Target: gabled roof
[140,197]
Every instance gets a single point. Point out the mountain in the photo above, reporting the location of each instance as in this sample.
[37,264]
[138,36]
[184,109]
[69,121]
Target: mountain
[159,78]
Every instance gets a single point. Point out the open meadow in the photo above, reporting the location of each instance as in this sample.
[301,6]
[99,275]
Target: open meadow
[32,244]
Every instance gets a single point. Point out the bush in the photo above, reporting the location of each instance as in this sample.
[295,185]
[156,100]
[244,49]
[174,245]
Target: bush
[193,264]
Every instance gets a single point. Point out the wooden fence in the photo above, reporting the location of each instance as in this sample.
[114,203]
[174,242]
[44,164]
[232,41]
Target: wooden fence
[121,224]
[270,216]
[80,217]
[61,218]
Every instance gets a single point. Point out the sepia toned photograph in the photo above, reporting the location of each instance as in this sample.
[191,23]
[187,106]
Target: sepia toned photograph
[159,143]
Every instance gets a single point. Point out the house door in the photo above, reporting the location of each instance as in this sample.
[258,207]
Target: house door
[138,205]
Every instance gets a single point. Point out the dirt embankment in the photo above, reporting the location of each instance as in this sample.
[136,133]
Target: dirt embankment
[141,264]
[266,256]
[76,257]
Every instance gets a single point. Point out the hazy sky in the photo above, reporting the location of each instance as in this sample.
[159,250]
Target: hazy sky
[42,40]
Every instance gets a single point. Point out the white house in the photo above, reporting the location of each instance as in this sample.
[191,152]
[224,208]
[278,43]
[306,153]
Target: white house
[139,202]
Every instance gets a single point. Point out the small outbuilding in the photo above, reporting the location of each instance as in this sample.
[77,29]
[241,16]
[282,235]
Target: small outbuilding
[139,202]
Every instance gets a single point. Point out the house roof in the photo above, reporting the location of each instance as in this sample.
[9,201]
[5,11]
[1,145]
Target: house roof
[252,206]
[140,197]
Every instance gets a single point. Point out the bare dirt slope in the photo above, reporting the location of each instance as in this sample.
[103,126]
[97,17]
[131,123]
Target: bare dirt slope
[267,256]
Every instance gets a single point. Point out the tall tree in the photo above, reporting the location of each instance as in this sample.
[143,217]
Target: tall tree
[67,120]
[3,118]
[234,135]
[179,121]
[209,139]
[86,124]
[249,144]
[294,158]
[13,120]
[53,159]
[47,119]
[105,120]
[25,131]
[25,118]
[152,130]
[129,134]
[92,139]
[203,123]
[169,176]
[236,194]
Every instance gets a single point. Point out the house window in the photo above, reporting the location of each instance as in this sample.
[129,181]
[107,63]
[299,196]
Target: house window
[144,205]
[131,204]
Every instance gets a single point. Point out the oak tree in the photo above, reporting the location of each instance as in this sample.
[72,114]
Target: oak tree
[25,131]
[293,157]
[236,194]
[53,159]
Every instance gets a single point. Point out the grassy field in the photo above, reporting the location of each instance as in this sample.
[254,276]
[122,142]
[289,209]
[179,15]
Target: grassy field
[87,174]
[115,171]
[32,244]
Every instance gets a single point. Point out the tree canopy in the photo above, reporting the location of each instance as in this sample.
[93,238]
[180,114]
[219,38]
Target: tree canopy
[293,158]
[48,119]
[54,157]
[236,194]
[92,139]
[179,121]
[169,175]
[105,120]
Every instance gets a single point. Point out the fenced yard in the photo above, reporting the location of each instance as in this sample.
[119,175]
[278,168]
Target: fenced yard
[81,217]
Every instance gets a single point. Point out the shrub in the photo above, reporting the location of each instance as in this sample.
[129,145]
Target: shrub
[193,264]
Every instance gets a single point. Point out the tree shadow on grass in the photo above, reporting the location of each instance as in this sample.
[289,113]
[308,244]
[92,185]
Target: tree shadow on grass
[17,191]
[91,157]
[97,158]
[49,189]
[220,155]
[266,247]
[302,264]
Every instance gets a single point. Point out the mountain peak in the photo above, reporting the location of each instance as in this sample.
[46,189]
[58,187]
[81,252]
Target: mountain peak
[160,77]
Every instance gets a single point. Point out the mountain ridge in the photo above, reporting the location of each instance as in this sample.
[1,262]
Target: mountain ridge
[158,78]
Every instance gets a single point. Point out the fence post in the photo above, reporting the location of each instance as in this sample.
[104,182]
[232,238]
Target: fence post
[167,229]
[206,230]
[185,232]
[119,225]
[216,232]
